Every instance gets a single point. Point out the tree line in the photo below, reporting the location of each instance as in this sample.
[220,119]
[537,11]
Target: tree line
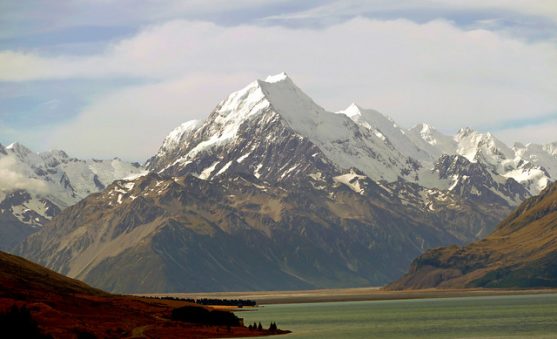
[210,301]
[255,326]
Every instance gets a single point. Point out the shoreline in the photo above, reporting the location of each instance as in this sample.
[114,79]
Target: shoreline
[350,294]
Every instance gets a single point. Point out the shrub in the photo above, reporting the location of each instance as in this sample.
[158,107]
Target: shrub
[203,316]
[18,323]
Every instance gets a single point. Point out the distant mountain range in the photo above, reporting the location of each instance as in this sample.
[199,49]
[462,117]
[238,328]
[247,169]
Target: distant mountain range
[356,137]
[520,253]
[36,187]
[271,191]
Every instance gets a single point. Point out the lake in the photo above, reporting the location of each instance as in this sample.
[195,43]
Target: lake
[521,316]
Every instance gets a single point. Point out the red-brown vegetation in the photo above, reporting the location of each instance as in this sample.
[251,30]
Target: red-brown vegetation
[67,308]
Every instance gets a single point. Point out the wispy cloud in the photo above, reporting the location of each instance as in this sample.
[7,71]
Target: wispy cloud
[434,72]
[530,20]
[164,70]
[132,122]
[542,133]
[11,178]
[420,8]
[528,129]
[21,19]
[528,121]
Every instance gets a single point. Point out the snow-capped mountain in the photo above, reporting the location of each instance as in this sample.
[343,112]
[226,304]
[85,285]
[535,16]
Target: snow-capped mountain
[277,111]
[536,165]
[273,122]
[387,130]
[431,140]
[272,130]
[533,166]
[272,191]
[37,186]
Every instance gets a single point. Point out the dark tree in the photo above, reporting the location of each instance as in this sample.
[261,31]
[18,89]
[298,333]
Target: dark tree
[273,327]
[200,315]
[85,335]
[18,323]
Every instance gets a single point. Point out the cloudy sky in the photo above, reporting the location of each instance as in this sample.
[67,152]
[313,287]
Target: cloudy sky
[105,78]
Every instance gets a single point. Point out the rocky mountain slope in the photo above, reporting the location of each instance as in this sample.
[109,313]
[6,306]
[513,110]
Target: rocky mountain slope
[272,130]
[237,133]
[272,191]
[270,123]
[521,252]
[36,187]
[233,233]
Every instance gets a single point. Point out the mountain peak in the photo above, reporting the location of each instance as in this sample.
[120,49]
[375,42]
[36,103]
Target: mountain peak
[55,154]
[426,132]
[352,110]
[369,118]
[172,142]
[519,145]
[430,139]
[485,147]
[277,92]
[277,104]
[551,148]
[14,146]
[19,149]
[464,132]
[277,78]
[424,128]
[178,132]
[267,99]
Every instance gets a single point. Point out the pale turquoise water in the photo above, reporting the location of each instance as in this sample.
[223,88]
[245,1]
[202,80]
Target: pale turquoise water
[529,316]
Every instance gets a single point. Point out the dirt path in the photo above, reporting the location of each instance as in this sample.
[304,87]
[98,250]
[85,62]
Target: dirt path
[139,332]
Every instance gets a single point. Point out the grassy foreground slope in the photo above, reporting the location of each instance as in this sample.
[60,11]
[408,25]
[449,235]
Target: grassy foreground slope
[60,307]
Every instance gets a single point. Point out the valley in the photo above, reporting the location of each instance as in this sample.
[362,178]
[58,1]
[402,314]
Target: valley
[273,192]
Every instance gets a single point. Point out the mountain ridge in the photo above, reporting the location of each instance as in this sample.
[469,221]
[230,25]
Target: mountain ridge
[37,186]
[520,253]
[272,185]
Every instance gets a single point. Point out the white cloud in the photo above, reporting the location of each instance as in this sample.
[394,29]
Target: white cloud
[538,134]
[21,19]
[542,8]
[433,72]
[12,179]
[350,8]
[131,123]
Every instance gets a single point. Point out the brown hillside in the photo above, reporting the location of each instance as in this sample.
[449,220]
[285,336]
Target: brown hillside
[521,253]
[67,308]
